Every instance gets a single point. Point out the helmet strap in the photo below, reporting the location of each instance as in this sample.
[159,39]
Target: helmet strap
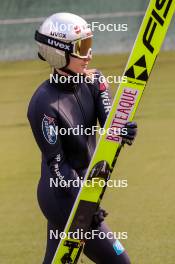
[41,57]
[65,69]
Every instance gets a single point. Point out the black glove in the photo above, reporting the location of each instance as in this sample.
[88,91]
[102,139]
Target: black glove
[98,218]
[131,133]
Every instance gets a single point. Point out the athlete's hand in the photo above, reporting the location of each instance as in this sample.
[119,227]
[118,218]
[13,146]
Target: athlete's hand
[131,133]
[98,218]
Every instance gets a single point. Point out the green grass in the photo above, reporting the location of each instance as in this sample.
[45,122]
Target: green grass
[146,209]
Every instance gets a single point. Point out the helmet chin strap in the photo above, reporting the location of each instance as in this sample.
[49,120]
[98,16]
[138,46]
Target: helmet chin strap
[41,57]
[65,69]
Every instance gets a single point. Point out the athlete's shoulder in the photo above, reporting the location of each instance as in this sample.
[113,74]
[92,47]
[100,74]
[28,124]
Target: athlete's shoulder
[41,99]
[97,79]
[42,93]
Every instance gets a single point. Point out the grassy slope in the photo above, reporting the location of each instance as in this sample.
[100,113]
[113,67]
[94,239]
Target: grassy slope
[146,209]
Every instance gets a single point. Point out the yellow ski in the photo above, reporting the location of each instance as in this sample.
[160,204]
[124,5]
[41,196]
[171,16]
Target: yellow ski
[141,61]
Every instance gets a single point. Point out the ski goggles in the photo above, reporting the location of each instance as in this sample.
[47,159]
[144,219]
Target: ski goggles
[80,48]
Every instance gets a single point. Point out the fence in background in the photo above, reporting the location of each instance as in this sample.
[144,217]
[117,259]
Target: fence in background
[19,20]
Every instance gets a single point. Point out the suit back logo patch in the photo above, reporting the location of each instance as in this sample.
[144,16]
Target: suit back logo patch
[48,122]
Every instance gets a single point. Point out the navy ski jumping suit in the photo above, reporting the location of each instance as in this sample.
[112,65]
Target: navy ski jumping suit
[68,105]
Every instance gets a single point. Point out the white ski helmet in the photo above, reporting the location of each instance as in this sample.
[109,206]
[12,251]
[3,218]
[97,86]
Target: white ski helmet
[62,34]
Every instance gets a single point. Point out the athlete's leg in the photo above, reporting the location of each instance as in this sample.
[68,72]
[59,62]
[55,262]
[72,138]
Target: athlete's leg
[52,243]
[104,251]
[56,207]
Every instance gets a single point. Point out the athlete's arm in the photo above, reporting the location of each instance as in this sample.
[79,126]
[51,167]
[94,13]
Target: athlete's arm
[43,120]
